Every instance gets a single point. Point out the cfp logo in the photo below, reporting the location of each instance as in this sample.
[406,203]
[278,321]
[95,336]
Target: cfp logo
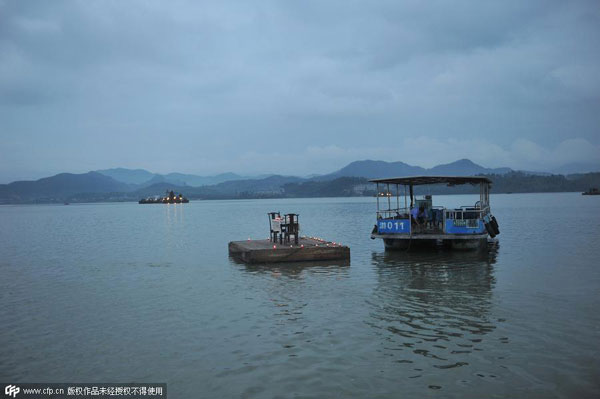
[11,390]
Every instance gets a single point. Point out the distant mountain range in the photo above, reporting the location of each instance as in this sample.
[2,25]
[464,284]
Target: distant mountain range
[381,169]
[121,184]
[144,177]
[367,168]
[59,187]
[578,167]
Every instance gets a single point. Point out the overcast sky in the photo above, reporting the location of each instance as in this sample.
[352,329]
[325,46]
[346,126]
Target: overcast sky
[296,87]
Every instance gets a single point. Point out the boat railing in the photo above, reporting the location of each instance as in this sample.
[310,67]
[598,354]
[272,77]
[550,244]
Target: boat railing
[466,212]
[395,213]
[435,221]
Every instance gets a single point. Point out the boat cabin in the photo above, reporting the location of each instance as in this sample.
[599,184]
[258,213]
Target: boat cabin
[403,220]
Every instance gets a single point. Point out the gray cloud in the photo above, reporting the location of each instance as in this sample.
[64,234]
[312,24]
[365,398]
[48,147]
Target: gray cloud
[206,87]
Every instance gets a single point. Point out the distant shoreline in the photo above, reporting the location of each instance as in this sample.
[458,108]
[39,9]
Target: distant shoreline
[271,198]
[95,188]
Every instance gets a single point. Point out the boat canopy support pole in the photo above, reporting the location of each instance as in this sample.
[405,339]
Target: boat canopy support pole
[377,195]
[484,195]
[481,190]
[388,196]
[411,196]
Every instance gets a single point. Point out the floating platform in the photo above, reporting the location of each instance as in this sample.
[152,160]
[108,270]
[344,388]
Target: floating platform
[308,249]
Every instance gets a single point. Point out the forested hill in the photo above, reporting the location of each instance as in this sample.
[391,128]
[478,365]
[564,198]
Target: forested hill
[514,182]
[94,187]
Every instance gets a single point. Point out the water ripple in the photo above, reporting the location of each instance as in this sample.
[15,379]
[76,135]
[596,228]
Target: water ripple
[436,303]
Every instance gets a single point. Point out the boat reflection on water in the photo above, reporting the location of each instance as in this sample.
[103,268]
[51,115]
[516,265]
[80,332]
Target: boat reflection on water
[433,307]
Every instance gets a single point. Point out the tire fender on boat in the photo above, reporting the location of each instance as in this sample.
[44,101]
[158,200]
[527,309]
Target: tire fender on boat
[494,224]
[490,230]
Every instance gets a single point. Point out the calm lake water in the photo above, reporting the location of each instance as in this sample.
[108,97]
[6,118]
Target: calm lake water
[125,292]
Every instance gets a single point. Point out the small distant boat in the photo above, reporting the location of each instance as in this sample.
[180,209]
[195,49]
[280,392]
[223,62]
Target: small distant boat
[66,203]
[591,191]
[169,198]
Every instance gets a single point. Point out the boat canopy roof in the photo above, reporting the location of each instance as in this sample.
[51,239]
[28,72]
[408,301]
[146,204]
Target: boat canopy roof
[421,180]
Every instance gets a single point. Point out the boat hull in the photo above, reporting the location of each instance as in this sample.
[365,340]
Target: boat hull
[424,241]
[462,245]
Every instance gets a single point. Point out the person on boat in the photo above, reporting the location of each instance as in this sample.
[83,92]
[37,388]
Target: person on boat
[418,215]
[422,216]
[414,212]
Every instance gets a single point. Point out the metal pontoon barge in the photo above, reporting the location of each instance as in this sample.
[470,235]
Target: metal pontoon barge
[419,222]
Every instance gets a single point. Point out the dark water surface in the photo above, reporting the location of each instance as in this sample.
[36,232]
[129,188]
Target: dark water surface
[128,292]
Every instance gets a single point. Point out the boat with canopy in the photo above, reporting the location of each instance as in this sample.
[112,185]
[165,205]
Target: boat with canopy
[417,222]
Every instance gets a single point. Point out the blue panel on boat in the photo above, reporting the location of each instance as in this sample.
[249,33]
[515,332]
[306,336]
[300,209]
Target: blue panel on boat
[393,226]
[464,226]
